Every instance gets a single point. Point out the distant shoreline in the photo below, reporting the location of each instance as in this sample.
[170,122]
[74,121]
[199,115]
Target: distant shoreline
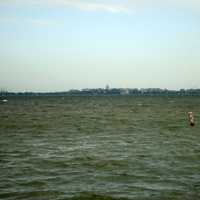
[110,92]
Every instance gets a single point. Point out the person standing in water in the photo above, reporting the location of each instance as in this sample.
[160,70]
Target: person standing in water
[191,118]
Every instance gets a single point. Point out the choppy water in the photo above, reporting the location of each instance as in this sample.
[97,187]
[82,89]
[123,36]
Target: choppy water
[99,148]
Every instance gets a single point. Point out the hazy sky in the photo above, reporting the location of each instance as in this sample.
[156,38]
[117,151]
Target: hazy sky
[56,45]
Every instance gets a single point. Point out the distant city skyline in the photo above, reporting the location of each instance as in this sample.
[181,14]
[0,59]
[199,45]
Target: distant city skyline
[107,92]
[49,45]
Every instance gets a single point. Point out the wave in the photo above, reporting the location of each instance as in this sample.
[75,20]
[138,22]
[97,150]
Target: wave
[93,196]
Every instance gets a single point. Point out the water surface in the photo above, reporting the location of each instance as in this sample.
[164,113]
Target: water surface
[138,148]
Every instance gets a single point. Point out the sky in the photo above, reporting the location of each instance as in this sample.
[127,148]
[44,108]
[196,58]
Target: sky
[58,45]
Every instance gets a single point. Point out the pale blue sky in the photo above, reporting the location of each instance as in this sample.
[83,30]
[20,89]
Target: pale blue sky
[56,45]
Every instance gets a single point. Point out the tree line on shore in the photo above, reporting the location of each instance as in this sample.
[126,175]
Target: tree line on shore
[110,92]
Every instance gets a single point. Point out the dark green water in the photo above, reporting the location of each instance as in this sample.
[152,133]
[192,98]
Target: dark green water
[99,148]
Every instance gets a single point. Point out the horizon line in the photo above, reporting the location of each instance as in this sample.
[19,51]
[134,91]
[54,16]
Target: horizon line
[82,89]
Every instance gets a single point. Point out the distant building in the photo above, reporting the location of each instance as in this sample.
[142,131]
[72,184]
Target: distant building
[107,87]
[124,91]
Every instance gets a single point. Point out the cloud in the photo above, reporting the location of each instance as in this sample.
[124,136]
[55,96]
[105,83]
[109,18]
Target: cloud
[85,5]
[92,6]
[112,6]
[179,4]
[126,5]
[41,22]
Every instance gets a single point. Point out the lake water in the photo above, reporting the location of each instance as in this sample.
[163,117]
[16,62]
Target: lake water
[99,148]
